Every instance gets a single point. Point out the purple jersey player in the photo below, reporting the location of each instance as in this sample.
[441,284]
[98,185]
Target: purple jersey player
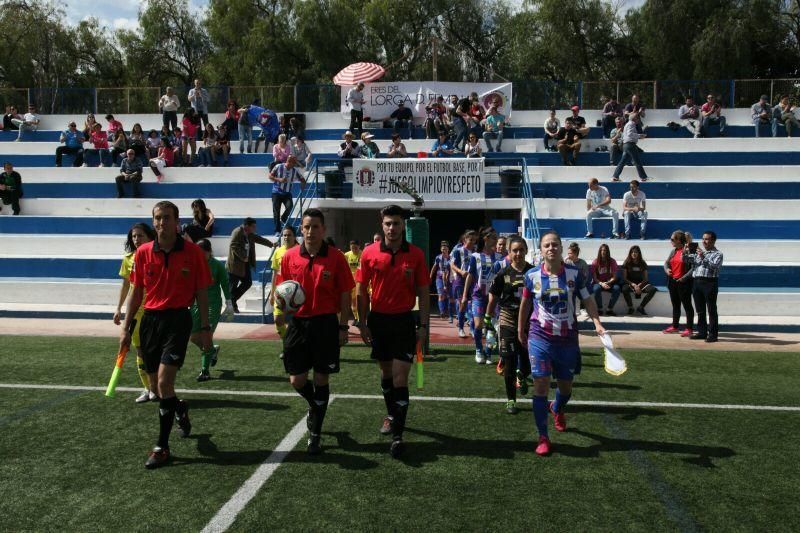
[476,288]
[458,265]
[552,334]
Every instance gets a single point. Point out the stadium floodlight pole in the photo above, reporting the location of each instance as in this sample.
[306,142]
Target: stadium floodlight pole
[418,233]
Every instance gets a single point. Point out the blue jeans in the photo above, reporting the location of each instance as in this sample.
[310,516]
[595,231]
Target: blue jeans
[630,151]
[405,124]
[460,129]
[245,132]
[598,291]
[710,121]
[758,123]
[641,215]
[207,157]
[488,135]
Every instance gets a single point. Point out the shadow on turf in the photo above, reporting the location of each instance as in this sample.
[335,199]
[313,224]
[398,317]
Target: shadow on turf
[744,338]
[217,403]
[230,375]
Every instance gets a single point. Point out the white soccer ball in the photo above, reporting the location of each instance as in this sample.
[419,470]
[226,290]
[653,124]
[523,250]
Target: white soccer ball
[289,296]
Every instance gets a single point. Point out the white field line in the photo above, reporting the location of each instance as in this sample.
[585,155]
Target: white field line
[601,403]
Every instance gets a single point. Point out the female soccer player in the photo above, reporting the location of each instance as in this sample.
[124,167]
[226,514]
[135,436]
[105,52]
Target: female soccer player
[476,285]
[219,281]
[441,269]
[139,234]
[506,290]
[288,241]
[552,336]
[459,264]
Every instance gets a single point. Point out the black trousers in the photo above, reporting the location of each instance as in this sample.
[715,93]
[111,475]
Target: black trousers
[356,117]
[287,202]
[11,197]
[134,181]
[239,285]
[77,152]
[705,298]
[170,119]
[681,294]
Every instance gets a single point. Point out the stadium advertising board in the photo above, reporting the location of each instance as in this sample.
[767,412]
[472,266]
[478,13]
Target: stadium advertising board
[382,98]
[434,179]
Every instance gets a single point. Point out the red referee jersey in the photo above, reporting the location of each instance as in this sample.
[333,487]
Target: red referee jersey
[323,277]
[394,276]
[170,279]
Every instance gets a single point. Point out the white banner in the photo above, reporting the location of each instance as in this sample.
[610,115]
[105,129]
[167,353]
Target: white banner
[382,98]
[432,178]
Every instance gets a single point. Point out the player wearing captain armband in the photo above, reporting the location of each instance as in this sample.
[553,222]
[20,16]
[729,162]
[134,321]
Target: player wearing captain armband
[504,294]
[552,335]
[219,282]
[479,278]
[440,274]
[315,333]
[459,264]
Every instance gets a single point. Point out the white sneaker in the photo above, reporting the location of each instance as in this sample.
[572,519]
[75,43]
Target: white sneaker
[153,396]
[144,397]
[101,165]
[479,357]
[488,361]
[461,333]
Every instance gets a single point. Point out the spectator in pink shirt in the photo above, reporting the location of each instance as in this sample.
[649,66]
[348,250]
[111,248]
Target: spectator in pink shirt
[189,126]
[113,126]
[711,114]
[99,140]
[605,279]
[281,151]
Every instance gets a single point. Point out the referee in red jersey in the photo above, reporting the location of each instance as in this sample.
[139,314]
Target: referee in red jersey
[171,273]
[398,274]
[315,333]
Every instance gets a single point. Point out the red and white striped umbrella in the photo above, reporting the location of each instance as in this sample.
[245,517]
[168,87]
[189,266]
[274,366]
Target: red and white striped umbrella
[358,72]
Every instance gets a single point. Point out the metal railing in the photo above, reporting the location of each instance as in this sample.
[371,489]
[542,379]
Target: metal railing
[528,95]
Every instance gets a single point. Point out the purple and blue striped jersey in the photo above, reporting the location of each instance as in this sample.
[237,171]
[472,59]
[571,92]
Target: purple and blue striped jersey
[553,317]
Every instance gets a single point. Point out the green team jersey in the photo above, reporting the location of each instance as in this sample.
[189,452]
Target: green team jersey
[219,280]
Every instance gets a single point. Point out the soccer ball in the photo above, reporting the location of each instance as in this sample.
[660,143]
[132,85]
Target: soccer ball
[289,296]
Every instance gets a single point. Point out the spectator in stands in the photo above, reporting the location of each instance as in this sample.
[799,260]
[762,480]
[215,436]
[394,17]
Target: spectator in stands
[88,126]
[569,142]
[283,175]
[494,124]
[245,130]
[242,258]
[349,149]
[402,117]
[689,114]
[355,99]
[301,151]
[477,114]
[761,113]
[551,128]
[605,279]
[281,150]
[168,106]
[579,122]
[634,203]
[611,111]
[165,158]
[189,126]
[206,153]
[231,116]
[202,224]
[396,148]
[30,122]
[461,121]
[630,148]
[99,140]
[297,127]
[369,148]
[9,117]
[223,146]
[784,113]
[10,187]
[119,145]
[472,148]
[598,204]
[636,107]
[710,115]
[138,143]
[437,119]
[198,99]
[616,141]
[130,171]
[153,144]
[634,280]
[679,284]
[443,146]
[573,258]
[113,126]
[73,145]
[705,274]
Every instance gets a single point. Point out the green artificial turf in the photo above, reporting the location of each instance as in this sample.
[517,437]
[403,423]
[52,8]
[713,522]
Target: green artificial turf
[73,460]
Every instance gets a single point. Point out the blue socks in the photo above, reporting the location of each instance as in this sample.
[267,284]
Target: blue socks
[442,307]
[561,401]
[478,333]
[462,318]
[540,414]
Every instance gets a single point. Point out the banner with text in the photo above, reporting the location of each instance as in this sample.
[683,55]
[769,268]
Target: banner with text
[433,179]
[382,98]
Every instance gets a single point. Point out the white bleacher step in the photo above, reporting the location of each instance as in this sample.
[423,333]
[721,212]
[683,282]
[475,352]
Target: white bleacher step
[686,209]
[668,174]
[69,291]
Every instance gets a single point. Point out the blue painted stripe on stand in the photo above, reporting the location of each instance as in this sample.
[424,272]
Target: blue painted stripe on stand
[662,229]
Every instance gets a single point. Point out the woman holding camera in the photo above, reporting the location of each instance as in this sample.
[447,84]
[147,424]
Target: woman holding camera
[679,283]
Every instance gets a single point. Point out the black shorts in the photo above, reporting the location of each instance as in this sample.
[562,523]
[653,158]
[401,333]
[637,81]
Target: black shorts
[312,342]
[393,336]
[513,351]
[163,337]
